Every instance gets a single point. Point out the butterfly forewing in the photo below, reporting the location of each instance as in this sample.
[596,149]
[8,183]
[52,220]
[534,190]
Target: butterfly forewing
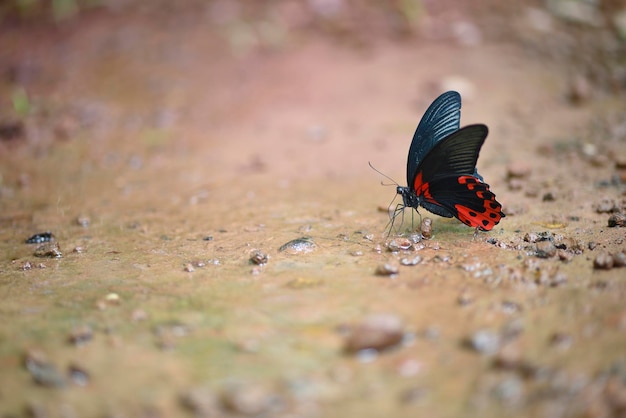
[441,119]
[455,155]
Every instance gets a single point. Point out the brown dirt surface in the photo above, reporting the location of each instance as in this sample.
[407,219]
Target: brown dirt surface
[218,246]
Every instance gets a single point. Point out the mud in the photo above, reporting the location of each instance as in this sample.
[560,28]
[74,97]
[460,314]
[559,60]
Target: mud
[172,159]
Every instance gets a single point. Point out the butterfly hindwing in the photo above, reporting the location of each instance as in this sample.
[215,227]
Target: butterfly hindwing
[466,197]
[455,155]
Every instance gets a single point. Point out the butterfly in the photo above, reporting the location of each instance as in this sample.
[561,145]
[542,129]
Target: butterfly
[441,168]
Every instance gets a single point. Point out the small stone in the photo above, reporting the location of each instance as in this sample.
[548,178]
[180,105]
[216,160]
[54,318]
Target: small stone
[40,238]
[198,263]
[564,255]
[518,169]
[606,205]
[512,330]
[80,335]
[427,228]
[189,268]
[603,261]
[78,375]
[619,259]
[561,340]
[516,184]
[398,244]
[83,221]
[302,245]
[258,257]
[617,220]
[580,90]
[377,332]
[509,390]
[548,197]
[43,372]
[532,237]
[112,298]
[411,261]
[545,249]
[485,342]
[48,250]
[202,402]
[250,399]
[387,269]
[464,299]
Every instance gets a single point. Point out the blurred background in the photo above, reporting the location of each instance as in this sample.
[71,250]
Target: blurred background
[161,141]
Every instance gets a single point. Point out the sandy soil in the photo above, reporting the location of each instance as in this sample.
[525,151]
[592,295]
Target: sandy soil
[161,149]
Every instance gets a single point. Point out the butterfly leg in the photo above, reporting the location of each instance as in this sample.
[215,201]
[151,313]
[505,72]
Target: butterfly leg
[475,233]
[413,221]
[398,210]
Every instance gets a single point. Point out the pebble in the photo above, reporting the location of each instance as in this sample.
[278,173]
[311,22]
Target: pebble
[427,228]
[603,261]
[619,259]
[509,390]
[48,250]
[531,237]
[606,205]
[564,255]
[518,169]
[516,184]
[201,401]
[617,219]
[398,244]
[258,257]
[78,375]
[43,372]
[377,332]
[411,261]
[545,249]
[580,90]
[485,342]
[561,340]
[302,245]
[465,298]
[83,221]
[387,269]
[80,335]
[40,238]
[250,400]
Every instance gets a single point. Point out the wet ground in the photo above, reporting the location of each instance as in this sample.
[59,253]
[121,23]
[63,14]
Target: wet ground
[172,154]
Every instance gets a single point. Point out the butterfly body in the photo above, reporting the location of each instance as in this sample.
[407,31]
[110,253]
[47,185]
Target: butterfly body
[441,168]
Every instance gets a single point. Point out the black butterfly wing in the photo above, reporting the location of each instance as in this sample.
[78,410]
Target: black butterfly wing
[467,198]
[442,118]
[446,183]
[455,155]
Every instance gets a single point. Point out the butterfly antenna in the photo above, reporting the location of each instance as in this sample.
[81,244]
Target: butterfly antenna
[395,183]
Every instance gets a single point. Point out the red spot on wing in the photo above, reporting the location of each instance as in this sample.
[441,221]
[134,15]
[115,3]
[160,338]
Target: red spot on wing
[490,213]
[422,189]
